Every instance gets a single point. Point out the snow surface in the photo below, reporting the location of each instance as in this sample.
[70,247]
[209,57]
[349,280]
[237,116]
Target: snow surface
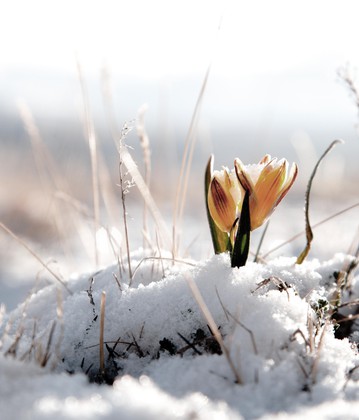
[272,317]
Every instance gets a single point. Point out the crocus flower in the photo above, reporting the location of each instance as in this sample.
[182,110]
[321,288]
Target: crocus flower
[267,183]
[225,195]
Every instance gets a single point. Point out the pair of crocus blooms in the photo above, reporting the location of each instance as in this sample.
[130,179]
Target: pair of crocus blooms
[266,184]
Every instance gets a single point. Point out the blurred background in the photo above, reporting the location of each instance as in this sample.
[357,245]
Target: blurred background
[275,85]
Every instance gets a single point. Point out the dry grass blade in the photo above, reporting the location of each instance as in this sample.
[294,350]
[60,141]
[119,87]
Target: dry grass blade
[351,266]
[186,163]
[261,242]
[21,242]
[343,280]
[12,350]
[119,139]
[160,255]
[183,178]
[237,321]
[102,329]
[298,235]
[45,165]
[108,103]
[308,229]
[130,164]
[145,145]
[317,354]
[90,133]
[46,356]
[161,258]
[311,340]
[212,325]
[146,194]
[60,320]
[124,190]
[107,191]
[49,174]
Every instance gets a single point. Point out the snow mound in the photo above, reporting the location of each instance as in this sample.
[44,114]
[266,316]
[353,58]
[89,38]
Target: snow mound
[161,354]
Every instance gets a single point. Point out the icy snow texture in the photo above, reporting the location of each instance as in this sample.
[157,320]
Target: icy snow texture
[281,376]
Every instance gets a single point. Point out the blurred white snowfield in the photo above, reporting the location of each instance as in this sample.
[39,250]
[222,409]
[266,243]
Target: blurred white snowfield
[160,355]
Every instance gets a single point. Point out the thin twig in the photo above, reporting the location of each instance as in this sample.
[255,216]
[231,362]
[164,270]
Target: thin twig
[299,332]
[189,344]
[348,318]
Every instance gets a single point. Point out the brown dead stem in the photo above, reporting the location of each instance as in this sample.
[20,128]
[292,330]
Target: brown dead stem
[212,325]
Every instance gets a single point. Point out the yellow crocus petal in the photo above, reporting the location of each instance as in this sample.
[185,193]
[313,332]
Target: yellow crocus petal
[271,178]
[242,176]
[221,204]
[289,182]
[272,185]
[267,191]
[265,159]
[266,183]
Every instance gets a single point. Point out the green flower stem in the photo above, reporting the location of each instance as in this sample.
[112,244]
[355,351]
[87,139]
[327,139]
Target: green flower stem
[240,250]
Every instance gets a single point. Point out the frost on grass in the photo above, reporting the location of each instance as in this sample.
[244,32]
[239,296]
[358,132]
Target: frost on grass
[274,320]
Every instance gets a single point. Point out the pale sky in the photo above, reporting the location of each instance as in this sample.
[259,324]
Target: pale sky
[274,63]
[152,38]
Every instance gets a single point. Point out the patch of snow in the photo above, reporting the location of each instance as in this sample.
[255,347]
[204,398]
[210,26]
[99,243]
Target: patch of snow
[161,354]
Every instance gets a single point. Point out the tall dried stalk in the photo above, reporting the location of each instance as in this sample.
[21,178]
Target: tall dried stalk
[124,189]
[127,161]
[45,165]
[186,163]
[92,142]
[145,145]
[308,229]
[47,170]
[146,194]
